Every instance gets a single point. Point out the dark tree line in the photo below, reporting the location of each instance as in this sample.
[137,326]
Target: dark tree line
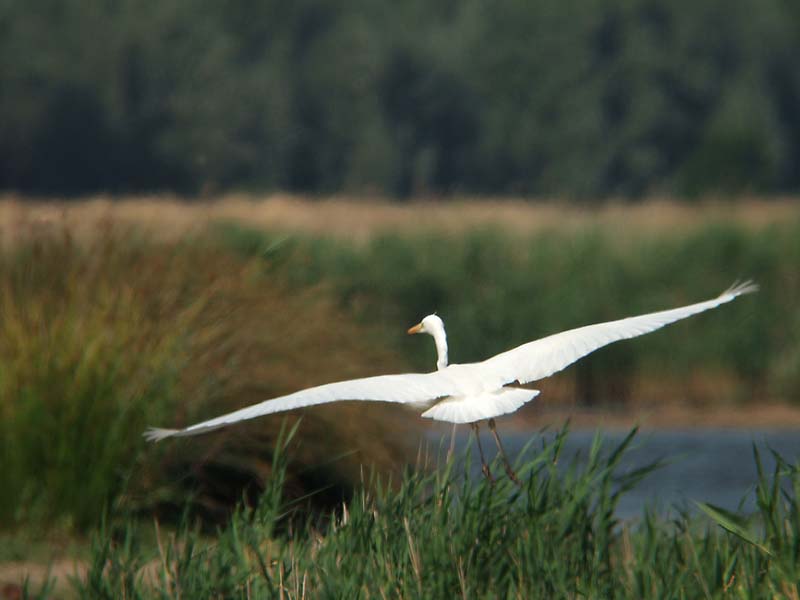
[553,97]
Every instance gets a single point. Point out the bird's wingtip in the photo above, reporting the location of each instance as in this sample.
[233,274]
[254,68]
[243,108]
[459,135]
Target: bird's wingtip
[740,288]
[155,434]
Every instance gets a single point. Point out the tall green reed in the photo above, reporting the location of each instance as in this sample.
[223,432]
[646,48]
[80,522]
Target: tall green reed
[82,369]
[441,534]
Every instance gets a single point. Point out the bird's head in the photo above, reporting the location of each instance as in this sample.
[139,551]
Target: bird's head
[431,325]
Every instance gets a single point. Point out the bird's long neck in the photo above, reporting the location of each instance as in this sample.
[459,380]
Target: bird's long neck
[440,338]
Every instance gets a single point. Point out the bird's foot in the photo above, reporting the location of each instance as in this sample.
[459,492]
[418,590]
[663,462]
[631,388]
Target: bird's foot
[487,473]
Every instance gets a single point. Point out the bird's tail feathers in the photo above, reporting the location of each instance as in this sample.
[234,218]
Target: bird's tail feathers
[459,409]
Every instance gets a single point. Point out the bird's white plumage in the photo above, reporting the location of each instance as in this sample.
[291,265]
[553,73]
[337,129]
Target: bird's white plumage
[408,388]
[485,405]
[470,392]
[541,358]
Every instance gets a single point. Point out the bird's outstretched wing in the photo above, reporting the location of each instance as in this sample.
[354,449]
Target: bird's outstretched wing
[404,388]
[529,362]
[543,357]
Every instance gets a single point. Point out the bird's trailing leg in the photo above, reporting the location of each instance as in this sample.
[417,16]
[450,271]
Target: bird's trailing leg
[511,475]
[484,467]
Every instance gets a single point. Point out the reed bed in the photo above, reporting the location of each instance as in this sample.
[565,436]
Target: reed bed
[104,337]
[441,534]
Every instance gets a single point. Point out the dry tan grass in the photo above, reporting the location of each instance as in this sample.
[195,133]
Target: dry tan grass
[360,219]
[13,576]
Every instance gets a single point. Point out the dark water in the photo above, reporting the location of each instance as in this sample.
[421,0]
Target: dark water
[708,465]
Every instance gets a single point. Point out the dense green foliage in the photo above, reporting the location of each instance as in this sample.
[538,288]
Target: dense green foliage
[496,290]
[443,535]
[102,338]
[81,369]
[555,97]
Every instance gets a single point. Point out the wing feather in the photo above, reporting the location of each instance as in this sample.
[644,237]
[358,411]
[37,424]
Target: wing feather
[541,358]
[403,388]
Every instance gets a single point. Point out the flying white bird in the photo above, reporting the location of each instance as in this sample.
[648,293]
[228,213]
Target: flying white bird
[469,393]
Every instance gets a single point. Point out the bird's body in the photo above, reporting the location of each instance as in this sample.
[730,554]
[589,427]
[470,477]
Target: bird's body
[468,393]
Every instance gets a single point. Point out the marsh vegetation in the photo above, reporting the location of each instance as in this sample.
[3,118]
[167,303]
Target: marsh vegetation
[113,327]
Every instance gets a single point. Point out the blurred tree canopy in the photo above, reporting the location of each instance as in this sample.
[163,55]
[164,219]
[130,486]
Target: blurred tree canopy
[555,97]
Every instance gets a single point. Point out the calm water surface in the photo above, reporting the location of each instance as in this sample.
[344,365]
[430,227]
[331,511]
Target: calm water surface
[709,465]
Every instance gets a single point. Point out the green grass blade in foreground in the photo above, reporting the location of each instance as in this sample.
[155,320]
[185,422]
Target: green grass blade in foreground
[736,524]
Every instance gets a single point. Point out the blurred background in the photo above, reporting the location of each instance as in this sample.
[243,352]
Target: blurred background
[558,99]
[208,204]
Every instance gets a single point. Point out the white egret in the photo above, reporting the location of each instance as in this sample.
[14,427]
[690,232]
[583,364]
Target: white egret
[469,393]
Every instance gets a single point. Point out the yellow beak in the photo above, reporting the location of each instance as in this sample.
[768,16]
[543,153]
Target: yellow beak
[415,329]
